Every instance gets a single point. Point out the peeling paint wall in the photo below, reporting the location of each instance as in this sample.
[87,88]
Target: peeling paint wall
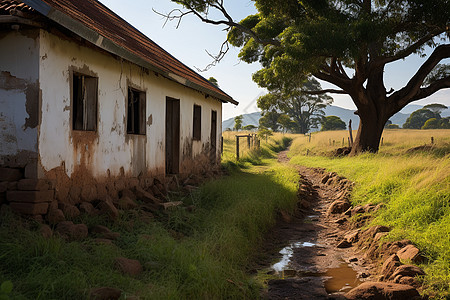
[110,151]
[19,93]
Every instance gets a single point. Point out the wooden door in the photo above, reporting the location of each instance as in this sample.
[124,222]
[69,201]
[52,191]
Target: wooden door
[172,136]
[213,138]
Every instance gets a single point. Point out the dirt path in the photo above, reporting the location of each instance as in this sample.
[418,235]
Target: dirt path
[302,251]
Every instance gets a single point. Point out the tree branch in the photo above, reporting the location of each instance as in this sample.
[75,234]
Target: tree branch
[431,89]
[409,50]
[321,92]
[177,14]
[412,89]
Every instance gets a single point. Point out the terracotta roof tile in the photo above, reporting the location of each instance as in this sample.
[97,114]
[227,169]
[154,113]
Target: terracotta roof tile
[97,17]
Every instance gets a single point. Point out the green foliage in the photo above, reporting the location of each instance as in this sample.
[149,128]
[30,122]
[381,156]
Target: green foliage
[432,123]
[444,123]
[249,127]
[269,119]
[264,133]
[392,126]
[299,110]
[332,123]
[238,122]
[5,290]
[213,81]
[418,118]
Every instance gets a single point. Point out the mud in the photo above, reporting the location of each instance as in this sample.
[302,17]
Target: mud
[300,256]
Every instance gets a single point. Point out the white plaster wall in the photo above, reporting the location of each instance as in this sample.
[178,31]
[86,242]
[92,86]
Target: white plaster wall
[112,149]
[19,68]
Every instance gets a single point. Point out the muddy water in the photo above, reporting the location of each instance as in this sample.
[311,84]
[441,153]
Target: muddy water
[341,279]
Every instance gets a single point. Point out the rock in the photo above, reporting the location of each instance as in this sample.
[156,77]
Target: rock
[368,208]
[104,293]
[128,193]
[344,244]
[72,231]
[372,231]
[410,252]
[107,208]
[407,280]
[341,221]
[46,231]
[55,216]
[382,291]
[9,174]
[104,232]
[88,208]
[127,266]
[70,211]
[358,210]
[79,232]
[389,266]
[32,185]
[379,236]
[407,270]
[338,207]
[325,178]
[353,259]
[352,236]
[126,203]
[145,196]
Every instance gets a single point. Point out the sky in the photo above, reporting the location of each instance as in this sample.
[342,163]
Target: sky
[190,41]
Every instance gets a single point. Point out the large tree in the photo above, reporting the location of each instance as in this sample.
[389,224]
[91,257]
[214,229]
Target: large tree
[345,42]
[304,110]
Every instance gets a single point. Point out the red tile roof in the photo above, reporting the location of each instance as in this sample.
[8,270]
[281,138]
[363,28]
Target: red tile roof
[95,22]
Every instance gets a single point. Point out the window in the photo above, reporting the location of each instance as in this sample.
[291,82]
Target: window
[84,97]
[197,123]
[136,112]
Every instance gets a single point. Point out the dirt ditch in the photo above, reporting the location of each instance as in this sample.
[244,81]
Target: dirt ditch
[321,252]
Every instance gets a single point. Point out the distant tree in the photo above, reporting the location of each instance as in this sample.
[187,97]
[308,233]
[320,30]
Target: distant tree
[436,108]
[264,133]
[389,122]
[269,119]
[444,123]
[228,129]
[332,123]
[292,99]
[285,122]
[213,81]
[249,127]
[238,122]
[418,118]
[392,126]
[432,123]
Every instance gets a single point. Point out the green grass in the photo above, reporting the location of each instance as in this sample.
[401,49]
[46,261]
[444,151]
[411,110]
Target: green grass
[186,255]
[416,191]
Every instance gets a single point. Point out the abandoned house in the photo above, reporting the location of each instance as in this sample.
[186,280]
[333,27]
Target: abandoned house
[90,106]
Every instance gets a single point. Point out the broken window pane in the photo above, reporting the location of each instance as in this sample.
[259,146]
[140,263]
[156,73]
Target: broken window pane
[84,102]
[136,112]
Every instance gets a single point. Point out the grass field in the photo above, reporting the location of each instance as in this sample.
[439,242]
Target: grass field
[186,255]
[414,185]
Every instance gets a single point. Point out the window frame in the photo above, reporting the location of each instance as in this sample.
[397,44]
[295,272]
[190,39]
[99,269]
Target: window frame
[197,123]
[136,111]
[83,118]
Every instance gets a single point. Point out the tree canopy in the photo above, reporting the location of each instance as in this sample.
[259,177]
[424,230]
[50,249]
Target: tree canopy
[347,43]
[418,118]
[302,110]
[332,123]
[238,122]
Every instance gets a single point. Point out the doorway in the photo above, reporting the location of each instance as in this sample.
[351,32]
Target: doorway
[172,136]
[213,135]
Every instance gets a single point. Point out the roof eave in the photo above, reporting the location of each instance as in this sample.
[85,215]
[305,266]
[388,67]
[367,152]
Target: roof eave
[109,46]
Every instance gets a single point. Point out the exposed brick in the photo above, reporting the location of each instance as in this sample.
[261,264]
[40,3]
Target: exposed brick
[29,208]
[12,186]
[33,170]
[30,196]
[9,174]
[32,185]
[3,186]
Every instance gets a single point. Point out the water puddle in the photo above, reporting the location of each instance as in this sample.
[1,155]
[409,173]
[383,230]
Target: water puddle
[341,279]
[287,253]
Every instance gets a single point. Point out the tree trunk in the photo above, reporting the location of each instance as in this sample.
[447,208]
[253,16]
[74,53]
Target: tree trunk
[370,129]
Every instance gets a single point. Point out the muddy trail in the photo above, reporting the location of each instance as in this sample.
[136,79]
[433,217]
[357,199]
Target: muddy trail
[305,256]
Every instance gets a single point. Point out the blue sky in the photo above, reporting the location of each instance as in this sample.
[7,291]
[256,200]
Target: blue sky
[189,42]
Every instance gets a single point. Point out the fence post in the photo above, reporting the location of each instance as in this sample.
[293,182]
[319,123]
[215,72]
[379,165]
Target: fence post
[248,141]
[221,146]
[237,148]
[432,140]
[351,133]
[309,137]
